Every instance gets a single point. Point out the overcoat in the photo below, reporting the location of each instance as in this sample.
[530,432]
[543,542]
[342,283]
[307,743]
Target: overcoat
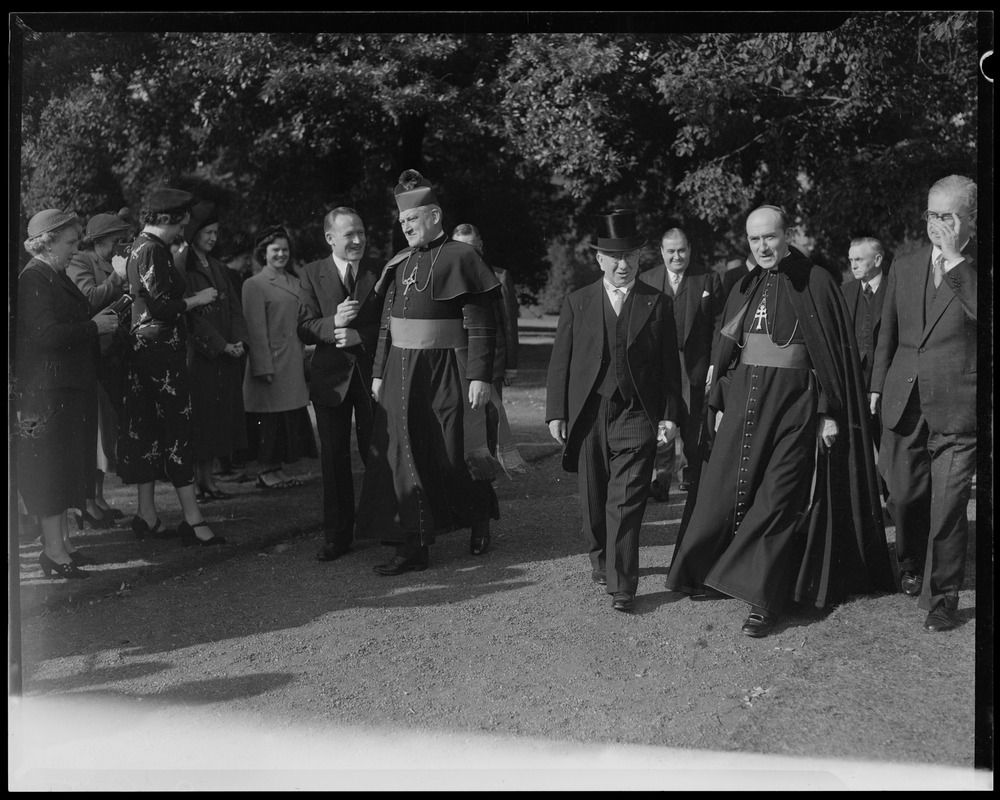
[853,296]
[271,309]
[651,357]
[56,391]
[218,421]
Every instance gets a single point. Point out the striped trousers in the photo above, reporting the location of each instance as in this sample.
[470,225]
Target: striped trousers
[615,467]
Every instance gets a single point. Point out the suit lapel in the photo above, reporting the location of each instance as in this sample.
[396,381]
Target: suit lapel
[592,313]
[642,307]
[945,296]
[329,279]
[280,283]
[692,286]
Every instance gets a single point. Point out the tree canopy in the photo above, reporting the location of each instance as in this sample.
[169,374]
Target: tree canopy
[527,134]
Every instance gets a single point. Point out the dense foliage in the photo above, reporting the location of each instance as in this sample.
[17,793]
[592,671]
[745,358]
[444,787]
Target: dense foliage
[527,134]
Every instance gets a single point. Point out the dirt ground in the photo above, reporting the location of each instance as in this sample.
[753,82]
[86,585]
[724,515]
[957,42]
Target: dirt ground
[199,667]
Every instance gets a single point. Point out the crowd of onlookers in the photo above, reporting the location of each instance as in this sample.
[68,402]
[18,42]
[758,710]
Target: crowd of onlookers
[152,348]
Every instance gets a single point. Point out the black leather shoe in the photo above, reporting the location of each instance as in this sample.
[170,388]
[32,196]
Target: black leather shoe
[940,619]
[758,624]
[79,559]
[600,577]
[189,537]
[479,542]
[685,486]
[911,583]
[331,552]
[397,565]
[622,601]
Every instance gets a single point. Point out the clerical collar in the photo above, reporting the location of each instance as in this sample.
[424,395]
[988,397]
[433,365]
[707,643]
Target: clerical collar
[435,243]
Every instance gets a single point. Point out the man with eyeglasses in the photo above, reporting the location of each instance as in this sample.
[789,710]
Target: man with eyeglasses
[925,381]
[614,391]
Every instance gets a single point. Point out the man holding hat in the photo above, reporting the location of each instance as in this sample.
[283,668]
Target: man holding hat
[613,392]
[429,468]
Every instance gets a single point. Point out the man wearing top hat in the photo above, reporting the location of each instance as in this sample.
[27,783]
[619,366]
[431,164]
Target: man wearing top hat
[429,468]
[613,392]
[339,312]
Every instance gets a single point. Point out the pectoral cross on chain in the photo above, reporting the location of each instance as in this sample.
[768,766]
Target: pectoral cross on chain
[761,316]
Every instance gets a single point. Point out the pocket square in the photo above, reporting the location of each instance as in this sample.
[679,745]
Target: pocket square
[705,293]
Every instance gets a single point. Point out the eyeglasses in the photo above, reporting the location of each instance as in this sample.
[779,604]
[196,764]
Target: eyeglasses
[947,219]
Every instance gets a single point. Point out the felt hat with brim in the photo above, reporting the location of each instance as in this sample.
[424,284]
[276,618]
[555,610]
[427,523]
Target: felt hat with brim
[51,219]
[616,232]
[413,191]
[167,201]
[202,215]
[101,225]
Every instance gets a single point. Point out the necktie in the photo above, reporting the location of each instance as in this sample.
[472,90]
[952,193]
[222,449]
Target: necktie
[938,270]
[617,299]
[349,280]
[868,291]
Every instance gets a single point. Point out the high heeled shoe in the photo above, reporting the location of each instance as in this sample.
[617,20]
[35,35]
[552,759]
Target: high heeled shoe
[189,537]
[206,495]
[78,558]
[97,523]
[113,513]
[68,571]
[141,529]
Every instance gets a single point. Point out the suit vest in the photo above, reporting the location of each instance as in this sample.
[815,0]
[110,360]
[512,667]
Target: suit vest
[614,374]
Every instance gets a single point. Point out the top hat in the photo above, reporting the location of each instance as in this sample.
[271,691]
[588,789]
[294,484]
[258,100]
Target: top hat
[413,191]
[52,219]
[616,232]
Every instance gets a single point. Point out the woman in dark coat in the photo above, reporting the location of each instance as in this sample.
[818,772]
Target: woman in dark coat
[103,283]
[155,432]
[274,386]
[56,363]
[215,347]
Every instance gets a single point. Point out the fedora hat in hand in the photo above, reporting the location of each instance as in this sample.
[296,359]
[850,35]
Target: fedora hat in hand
[616,232]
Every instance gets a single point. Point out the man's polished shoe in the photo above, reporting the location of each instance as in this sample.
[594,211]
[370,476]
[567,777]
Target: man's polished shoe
[622,601]
[911,583]
[685,486]
[332,551]
[397,565]
[940,619]
[758,624]
[479,541]
[600,577]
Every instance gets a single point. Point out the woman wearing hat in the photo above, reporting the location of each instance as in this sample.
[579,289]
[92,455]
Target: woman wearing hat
[56,388]
[274,385]
[103,283]
[155,434]
[215,348]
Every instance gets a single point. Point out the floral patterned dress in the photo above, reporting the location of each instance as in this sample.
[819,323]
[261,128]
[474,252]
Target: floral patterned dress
[155,433]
